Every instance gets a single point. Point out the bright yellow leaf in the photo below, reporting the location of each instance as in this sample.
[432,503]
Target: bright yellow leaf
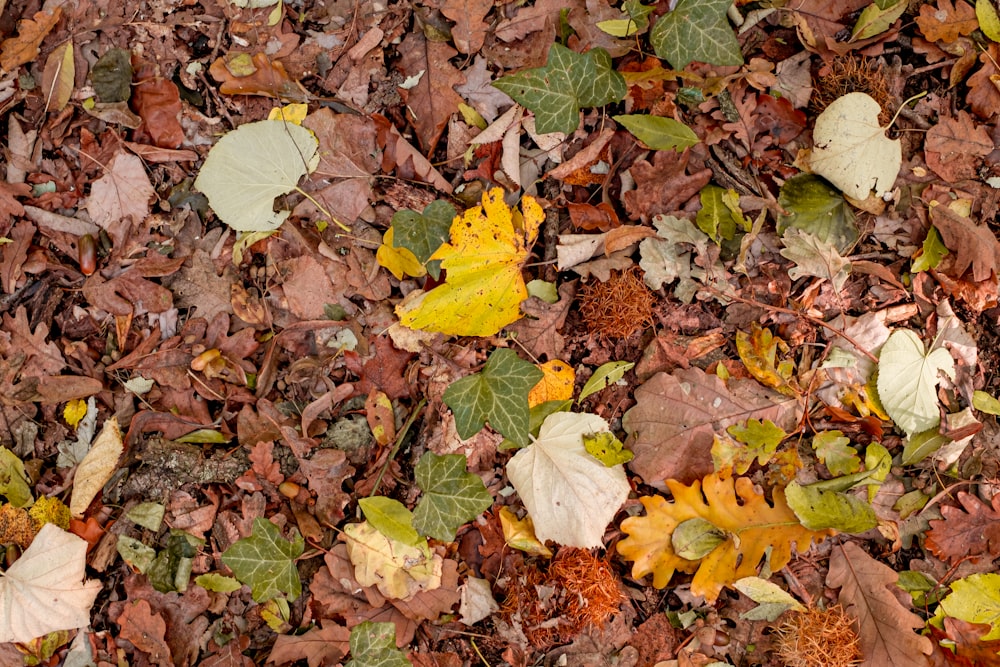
[74,411]
[400,261]
[750,525]
[556,383]
[290,113]
[520,534]
[483,287]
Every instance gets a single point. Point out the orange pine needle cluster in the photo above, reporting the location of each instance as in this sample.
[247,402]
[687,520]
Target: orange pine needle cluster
[578,591]
[619,307]
[819,638]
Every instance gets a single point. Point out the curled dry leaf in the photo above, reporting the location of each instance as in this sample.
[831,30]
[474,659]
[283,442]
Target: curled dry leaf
[97,466]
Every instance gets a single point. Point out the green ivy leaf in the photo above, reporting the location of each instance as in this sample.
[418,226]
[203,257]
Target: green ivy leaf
[931,253]
[265,561]
[815,207]
[568,82]
[374,645]
[836,453]
[423,233]
[498,394]
[659,133]
[696,30]
[818,509]
[391,518]
[452,495]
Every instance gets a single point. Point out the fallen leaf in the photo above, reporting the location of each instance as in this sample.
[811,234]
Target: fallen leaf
[158,102]
[398,570]
[556,384]
[470,31]
[44,590]
[58,77]
[748,528]
[972,532]
[813,257]
[676,417]
[484,288]
[432,100]
[973,244]
[96,467]
[969,646]
[265,561]
[948,21]
[908,378]
[664,185]
[539,330]
[570,496]
[954,147]
[374,645]
[851,150]
[696,30]
[250,166]
[883,623]
[16,51]
[243,74]
[317,646]
[452,496]
[146,631]
[123,192]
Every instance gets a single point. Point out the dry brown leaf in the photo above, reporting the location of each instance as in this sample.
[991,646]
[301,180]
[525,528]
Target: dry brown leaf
[469,32]
[972,532]
[44,356]
[158,102]
[540,330]
[884,623]
[14,254]
[123,192]
[9,206]
[947,22]
[22,49]
[676,417]
[242,74]
[58,76]
[318,646]
[146,631]
[973,245]
[433,99]
[984,95]
[96,467]
[663,185]
[954,146]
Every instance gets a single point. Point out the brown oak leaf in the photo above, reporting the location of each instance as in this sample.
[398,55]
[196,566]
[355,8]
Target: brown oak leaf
[158,102]
[947,22]
[146,631]
[44,356]
[16,51]
[433,99]
[952,148]
[318,646]
[663,185]
[883,622]
[469,32]
[969,650]
[9,206]
[123,192]
[973,245]
[539,332]
[972,532]
[984,96]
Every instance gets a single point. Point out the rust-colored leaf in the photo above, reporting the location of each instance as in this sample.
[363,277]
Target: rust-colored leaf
[158,102]
[947,22]
[243,74]
[432,99]
[974,531]
[22,49]
[146,630]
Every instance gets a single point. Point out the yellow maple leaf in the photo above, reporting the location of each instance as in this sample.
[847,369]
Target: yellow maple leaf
[748,525]
[556,383]
[483,287]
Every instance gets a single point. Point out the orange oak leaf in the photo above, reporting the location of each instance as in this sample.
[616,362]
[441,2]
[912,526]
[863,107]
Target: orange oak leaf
[984,94]
[16,51]
[884,624]
[746,526]
[947,22]
[972,532]
[469,32]
[146,630]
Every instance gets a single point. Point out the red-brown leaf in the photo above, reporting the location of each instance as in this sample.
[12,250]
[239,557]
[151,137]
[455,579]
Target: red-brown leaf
[972,532]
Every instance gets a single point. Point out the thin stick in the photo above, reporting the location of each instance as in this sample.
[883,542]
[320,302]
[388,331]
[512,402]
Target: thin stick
[399,443]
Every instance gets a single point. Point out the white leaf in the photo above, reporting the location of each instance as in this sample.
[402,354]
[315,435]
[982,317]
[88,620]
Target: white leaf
[570,496]
[851,149]
[96,467]
[908,378]
[44,591]
[252,165]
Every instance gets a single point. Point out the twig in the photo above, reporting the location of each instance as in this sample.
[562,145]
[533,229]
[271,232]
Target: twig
[399,443]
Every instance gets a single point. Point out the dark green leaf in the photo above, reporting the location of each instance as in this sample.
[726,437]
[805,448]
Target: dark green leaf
[696,30]
[423,233]
[112,76]
[265,561]
[817,208]
[374,645]
[452,495]
[498,395]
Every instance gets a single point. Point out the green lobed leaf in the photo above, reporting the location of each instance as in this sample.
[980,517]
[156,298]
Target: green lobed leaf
[931,253]
[250,166]
[452,495]
[696,30]
[606,374]
[761,440]
[836,453]
[265,561]
[638,20]
[908,379]
[815,207]
[818,509]
[568,82]
[498,395]
[374,645]
[391,518]
[659,133]
[423,233]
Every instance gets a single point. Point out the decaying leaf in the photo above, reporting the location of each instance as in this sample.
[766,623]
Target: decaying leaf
[44,590]
[851,149]
[398,570]
[972,532]
[884,624]
[97,467]
[484,288]
[751,527]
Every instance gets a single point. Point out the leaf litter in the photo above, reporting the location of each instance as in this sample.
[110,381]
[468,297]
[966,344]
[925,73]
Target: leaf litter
[452,334]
